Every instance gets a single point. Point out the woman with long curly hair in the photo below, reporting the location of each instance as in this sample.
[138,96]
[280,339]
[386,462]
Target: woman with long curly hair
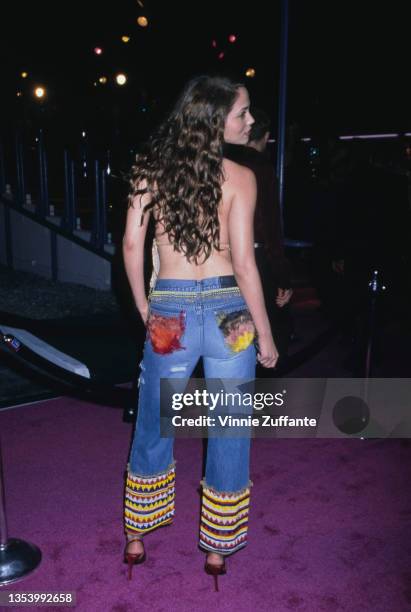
[207,301]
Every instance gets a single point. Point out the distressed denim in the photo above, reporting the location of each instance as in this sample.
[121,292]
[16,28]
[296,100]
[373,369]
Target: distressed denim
[188,320]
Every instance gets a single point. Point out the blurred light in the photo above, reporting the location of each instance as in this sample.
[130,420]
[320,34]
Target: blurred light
[39,92]
[368,136]
[232,38]
[250,73]
[121,79]
[214,44]
[221,55]
[142,21]
[314,152]
[83,134]
[19,94]
[102,80]
[98,50]
[24,75]
[305,139]
[125,39]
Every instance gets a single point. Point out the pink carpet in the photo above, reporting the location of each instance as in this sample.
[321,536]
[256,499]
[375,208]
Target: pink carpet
[329,524]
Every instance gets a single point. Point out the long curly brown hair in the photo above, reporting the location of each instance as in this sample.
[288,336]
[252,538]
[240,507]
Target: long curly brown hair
[181,167]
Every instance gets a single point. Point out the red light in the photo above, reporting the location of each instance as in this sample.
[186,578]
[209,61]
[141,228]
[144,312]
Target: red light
[214,44]
[221,55]
[232,38]
[98,50]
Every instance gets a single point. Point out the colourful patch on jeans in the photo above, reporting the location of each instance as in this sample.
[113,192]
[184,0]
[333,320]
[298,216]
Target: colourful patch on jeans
[165,332]
[238,329]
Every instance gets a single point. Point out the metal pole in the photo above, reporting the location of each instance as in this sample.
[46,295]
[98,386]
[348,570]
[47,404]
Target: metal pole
[20,170]
[73,184]
[103,209]
[374,287]
[2,171]
[3,519]
[44,204]
[45,179]
[282,107]
[9,242]
[17,557]
[66,213]
[96,233]
[69,212]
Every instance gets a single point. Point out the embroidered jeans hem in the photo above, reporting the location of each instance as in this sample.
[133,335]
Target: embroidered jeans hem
[149,501]
[224,519]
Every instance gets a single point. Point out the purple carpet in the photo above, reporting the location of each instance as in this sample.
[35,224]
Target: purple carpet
[329,521]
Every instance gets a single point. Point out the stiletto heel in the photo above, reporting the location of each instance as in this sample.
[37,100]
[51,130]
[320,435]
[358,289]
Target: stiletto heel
[134,558]
[215,570]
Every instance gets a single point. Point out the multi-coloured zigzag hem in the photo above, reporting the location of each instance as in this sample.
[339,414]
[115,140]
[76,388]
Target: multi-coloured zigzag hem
[224,520]
[149,501]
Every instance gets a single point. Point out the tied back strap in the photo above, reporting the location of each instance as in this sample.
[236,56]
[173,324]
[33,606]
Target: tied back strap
[156,265]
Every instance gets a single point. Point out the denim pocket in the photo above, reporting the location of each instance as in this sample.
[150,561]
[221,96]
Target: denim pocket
[165,330]
[237,328]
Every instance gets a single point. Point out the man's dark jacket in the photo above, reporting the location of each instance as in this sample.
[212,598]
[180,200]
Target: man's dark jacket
[272,263]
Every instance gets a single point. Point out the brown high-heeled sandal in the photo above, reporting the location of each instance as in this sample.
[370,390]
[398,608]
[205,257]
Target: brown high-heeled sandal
[215,570]
[134,558]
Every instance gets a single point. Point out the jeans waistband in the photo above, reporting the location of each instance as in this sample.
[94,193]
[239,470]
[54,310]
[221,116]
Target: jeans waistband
[188,286]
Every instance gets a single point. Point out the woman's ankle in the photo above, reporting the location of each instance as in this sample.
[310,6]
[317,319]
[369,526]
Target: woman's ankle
[135,544]
[134,537]
[215,558]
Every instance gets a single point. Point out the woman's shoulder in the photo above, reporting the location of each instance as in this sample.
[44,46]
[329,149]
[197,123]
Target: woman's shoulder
[236,174]
[240,187]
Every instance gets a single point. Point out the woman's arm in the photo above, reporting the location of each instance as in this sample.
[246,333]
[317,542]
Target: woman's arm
[241,234]
[133,251]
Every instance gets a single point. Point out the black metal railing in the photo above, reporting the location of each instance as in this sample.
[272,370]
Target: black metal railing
[82,184]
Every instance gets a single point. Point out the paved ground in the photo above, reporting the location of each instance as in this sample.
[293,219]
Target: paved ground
[35,297]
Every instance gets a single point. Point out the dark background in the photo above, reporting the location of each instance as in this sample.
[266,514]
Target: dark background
[347,68]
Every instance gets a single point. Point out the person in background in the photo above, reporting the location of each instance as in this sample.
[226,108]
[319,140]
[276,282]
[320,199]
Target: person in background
[274,268]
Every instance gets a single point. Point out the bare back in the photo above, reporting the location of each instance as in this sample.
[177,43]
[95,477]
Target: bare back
[175,265]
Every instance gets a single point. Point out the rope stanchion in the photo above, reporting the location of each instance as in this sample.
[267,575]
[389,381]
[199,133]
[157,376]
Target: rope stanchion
[17,557]
[375,289]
